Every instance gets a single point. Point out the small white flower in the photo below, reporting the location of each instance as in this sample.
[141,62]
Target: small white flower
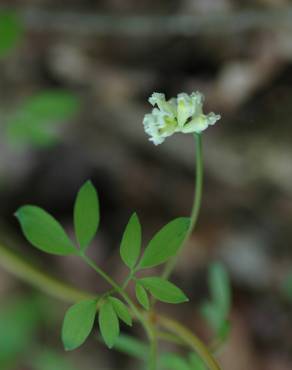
[182,114]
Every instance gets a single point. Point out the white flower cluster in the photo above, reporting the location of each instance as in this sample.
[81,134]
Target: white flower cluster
[182,114]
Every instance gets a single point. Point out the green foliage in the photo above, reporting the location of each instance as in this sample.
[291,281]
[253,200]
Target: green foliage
[11,32]
[286,287]
[163,290]
[86,214]
[37,121]
[142,295]
[43,231]
[108,323]
[49,359]
[19,319]
[216,311]
[165,243]
[131,242]
[172,361]
[196,363]
[131,346]
[121,310]
[78,323]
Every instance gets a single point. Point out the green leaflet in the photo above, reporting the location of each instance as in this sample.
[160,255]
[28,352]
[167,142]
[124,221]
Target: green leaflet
[131,242]
[165,243]
[121,310]
[11,31]
[86,214]
[141,295]
[163,290]
[78,323]
[43,231]
[108,323]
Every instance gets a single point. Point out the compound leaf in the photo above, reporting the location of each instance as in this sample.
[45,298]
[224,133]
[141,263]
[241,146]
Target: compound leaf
[78,323]
[43,231]
[121,310]
[108,323]
[164,290]
[142,295]
[86,214]
[131,242]
[165,243]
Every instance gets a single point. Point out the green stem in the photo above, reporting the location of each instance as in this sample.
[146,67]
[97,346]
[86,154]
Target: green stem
[49,285]
[153,351]
[191,340]
[196,203]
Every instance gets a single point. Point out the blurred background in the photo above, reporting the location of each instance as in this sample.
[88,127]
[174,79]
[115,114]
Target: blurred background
[75,77]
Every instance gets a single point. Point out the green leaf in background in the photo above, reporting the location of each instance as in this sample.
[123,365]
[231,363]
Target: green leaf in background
[165,243]
[196,363]
[212,314]
[78,323]
[131,242]
[86,214]
[131,346]
[142,295]
[121,310]
[286,287]
[11,31]
[163,290]
[108,323]
[172,361]
[19,320]
[219,286]
[38,120]
[43,231]
[49,359]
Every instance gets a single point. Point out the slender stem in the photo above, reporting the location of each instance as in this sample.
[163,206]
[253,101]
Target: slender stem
[117,288]
[153,351]
[25,271]
[196,203]
[190,339]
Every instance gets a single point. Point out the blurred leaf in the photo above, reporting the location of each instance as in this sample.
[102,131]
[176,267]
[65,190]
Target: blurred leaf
[172,361]
[196,363]
[121,310]
[217,310]
[108,323]
[49,359]
[19,319]
[141,295]
[224,331]
[38,120]
[287,287]
[131,242]
[164,290]
[78,323]
[219,286]
[86,214]
[11,31]
[165,243]
[131,346]
[43,231]
[212,314]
